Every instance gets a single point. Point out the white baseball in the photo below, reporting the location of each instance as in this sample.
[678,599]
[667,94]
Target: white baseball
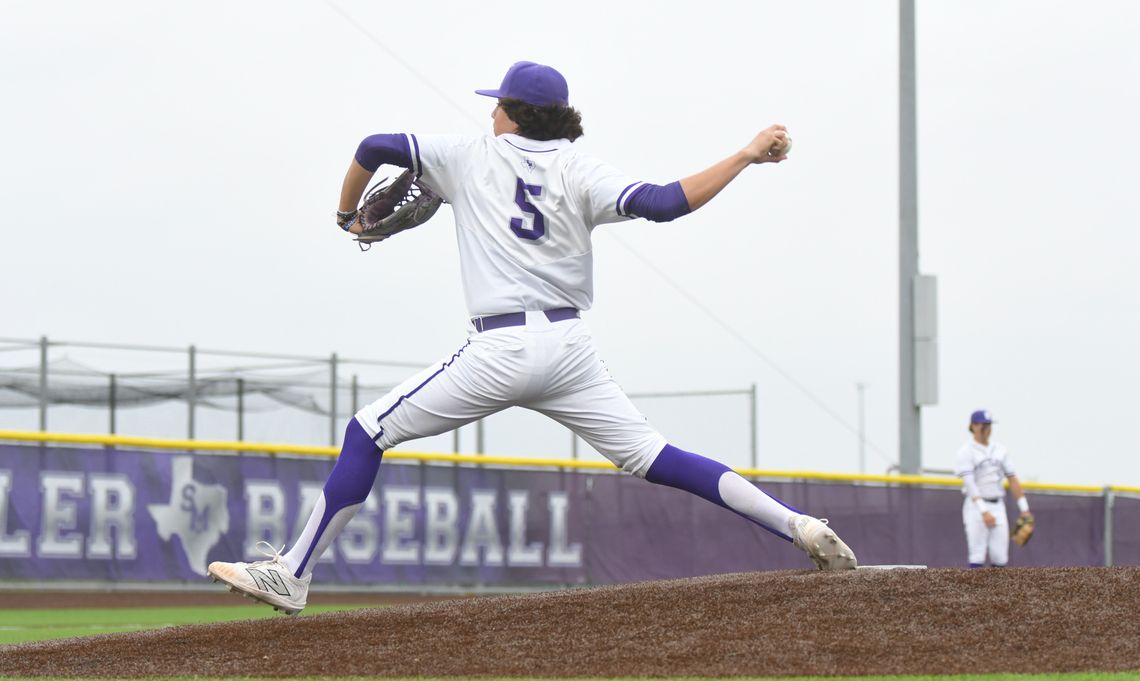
[781,149]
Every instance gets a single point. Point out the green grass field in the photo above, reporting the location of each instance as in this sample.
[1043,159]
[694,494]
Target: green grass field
[18,626]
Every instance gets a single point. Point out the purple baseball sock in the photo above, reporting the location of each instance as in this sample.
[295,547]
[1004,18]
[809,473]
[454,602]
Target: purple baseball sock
[344,493]
[718,483]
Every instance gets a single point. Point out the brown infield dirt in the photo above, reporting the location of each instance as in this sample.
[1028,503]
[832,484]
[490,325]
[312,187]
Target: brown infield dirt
[789,623]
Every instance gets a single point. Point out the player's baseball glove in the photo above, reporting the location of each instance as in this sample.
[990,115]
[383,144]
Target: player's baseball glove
[392,208]
[1023,530]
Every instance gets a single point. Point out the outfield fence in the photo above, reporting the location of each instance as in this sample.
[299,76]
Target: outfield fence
[116,510]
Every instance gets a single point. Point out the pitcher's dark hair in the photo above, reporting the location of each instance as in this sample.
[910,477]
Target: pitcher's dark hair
[543,122]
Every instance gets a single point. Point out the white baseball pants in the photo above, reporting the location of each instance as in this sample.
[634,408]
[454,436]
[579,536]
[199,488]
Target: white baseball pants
[981,539]
[549,367]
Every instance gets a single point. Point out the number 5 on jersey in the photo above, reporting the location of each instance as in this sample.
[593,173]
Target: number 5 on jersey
[522,189]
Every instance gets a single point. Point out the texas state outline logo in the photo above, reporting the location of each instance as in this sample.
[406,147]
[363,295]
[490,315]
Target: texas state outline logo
[196,514]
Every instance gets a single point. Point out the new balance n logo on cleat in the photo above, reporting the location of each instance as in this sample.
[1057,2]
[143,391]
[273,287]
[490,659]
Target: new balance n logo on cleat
[269,580]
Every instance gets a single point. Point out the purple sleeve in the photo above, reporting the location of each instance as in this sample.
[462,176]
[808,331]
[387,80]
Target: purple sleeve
[657,203]
[377,150]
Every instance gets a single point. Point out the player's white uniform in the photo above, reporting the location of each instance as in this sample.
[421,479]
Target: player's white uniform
[524,212]
[983,468]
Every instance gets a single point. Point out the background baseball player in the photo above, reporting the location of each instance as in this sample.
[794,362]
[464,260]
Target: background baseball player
[525,201]
[983,465]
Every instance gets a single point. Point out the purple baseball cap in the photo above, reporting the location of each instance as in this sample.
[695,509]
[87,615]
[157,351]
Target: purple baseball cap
[535,84]
[981,416]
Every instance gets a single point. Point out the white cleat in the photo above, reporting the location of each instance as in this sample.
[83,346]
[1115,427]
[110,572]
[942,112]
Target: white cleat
[269,581]
[822,545]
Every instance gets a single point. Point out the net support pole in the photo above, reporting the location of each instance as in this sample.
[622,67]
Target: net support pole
[191,391]
[111,402]
[332,399]
[355,393]
[753,451]
[43,383]
[240,409]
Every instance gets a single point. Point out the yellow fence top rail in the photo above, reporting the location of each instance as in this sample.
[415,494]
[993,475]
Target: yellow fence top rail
[485,459]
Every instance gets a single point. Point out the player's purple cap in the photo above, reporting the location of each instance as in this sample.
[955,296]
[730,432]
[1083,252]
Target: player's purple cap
[981,416]
[535,84]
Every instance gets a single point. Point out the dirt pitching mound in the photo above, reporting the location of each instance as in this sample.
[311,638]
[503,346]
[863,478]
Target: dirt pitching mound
[946,621]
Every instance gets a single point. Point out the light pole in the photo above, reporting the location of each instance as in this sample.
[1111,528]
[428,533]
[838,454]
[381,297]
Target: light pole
[910,414]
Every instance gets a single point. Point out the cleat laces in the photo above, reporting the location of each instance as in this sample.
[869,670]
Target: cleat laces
[274,556]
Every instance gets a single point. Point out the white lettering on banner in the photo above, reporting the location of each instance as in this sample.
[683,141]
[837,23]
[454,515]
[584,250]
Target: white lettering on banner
[519,553]
[443,541]
[400,504]
[18,544]
[265,516]
[560,553]
[111,511]
[401,525]
[112,508]
[441,526]
[482,531]
[58,537]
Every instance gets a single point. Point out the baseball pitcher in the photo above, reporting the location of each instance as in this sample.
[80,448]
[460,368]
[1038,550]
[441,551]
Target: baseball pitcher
[983,465]
[526,201]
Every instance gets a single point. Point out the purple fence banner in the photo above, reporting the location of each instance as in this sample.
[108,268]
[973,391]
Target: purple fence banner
[123,515]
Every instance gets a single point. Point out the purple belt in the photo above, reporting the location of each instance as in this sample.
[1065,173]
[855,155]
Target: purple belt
[499,321]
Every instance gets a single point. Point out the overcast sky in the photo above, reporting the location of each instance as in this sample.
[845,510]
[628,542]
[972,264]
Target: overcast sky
[170,169]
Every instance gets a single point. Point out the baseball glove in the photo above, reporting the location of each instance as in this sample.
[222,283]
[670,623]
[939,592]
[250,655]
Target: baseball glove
[1023,530]
[392,208]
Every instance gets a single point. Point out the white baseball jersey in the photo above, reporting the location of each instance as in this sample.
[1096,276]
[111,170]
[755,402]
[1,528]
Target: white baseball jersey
[531,249]
[983,468]
[524,210]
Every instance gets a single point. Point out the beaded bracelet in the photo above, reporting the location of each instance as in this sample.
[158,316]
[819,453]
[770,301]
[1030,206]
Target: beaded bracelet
[345,218]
